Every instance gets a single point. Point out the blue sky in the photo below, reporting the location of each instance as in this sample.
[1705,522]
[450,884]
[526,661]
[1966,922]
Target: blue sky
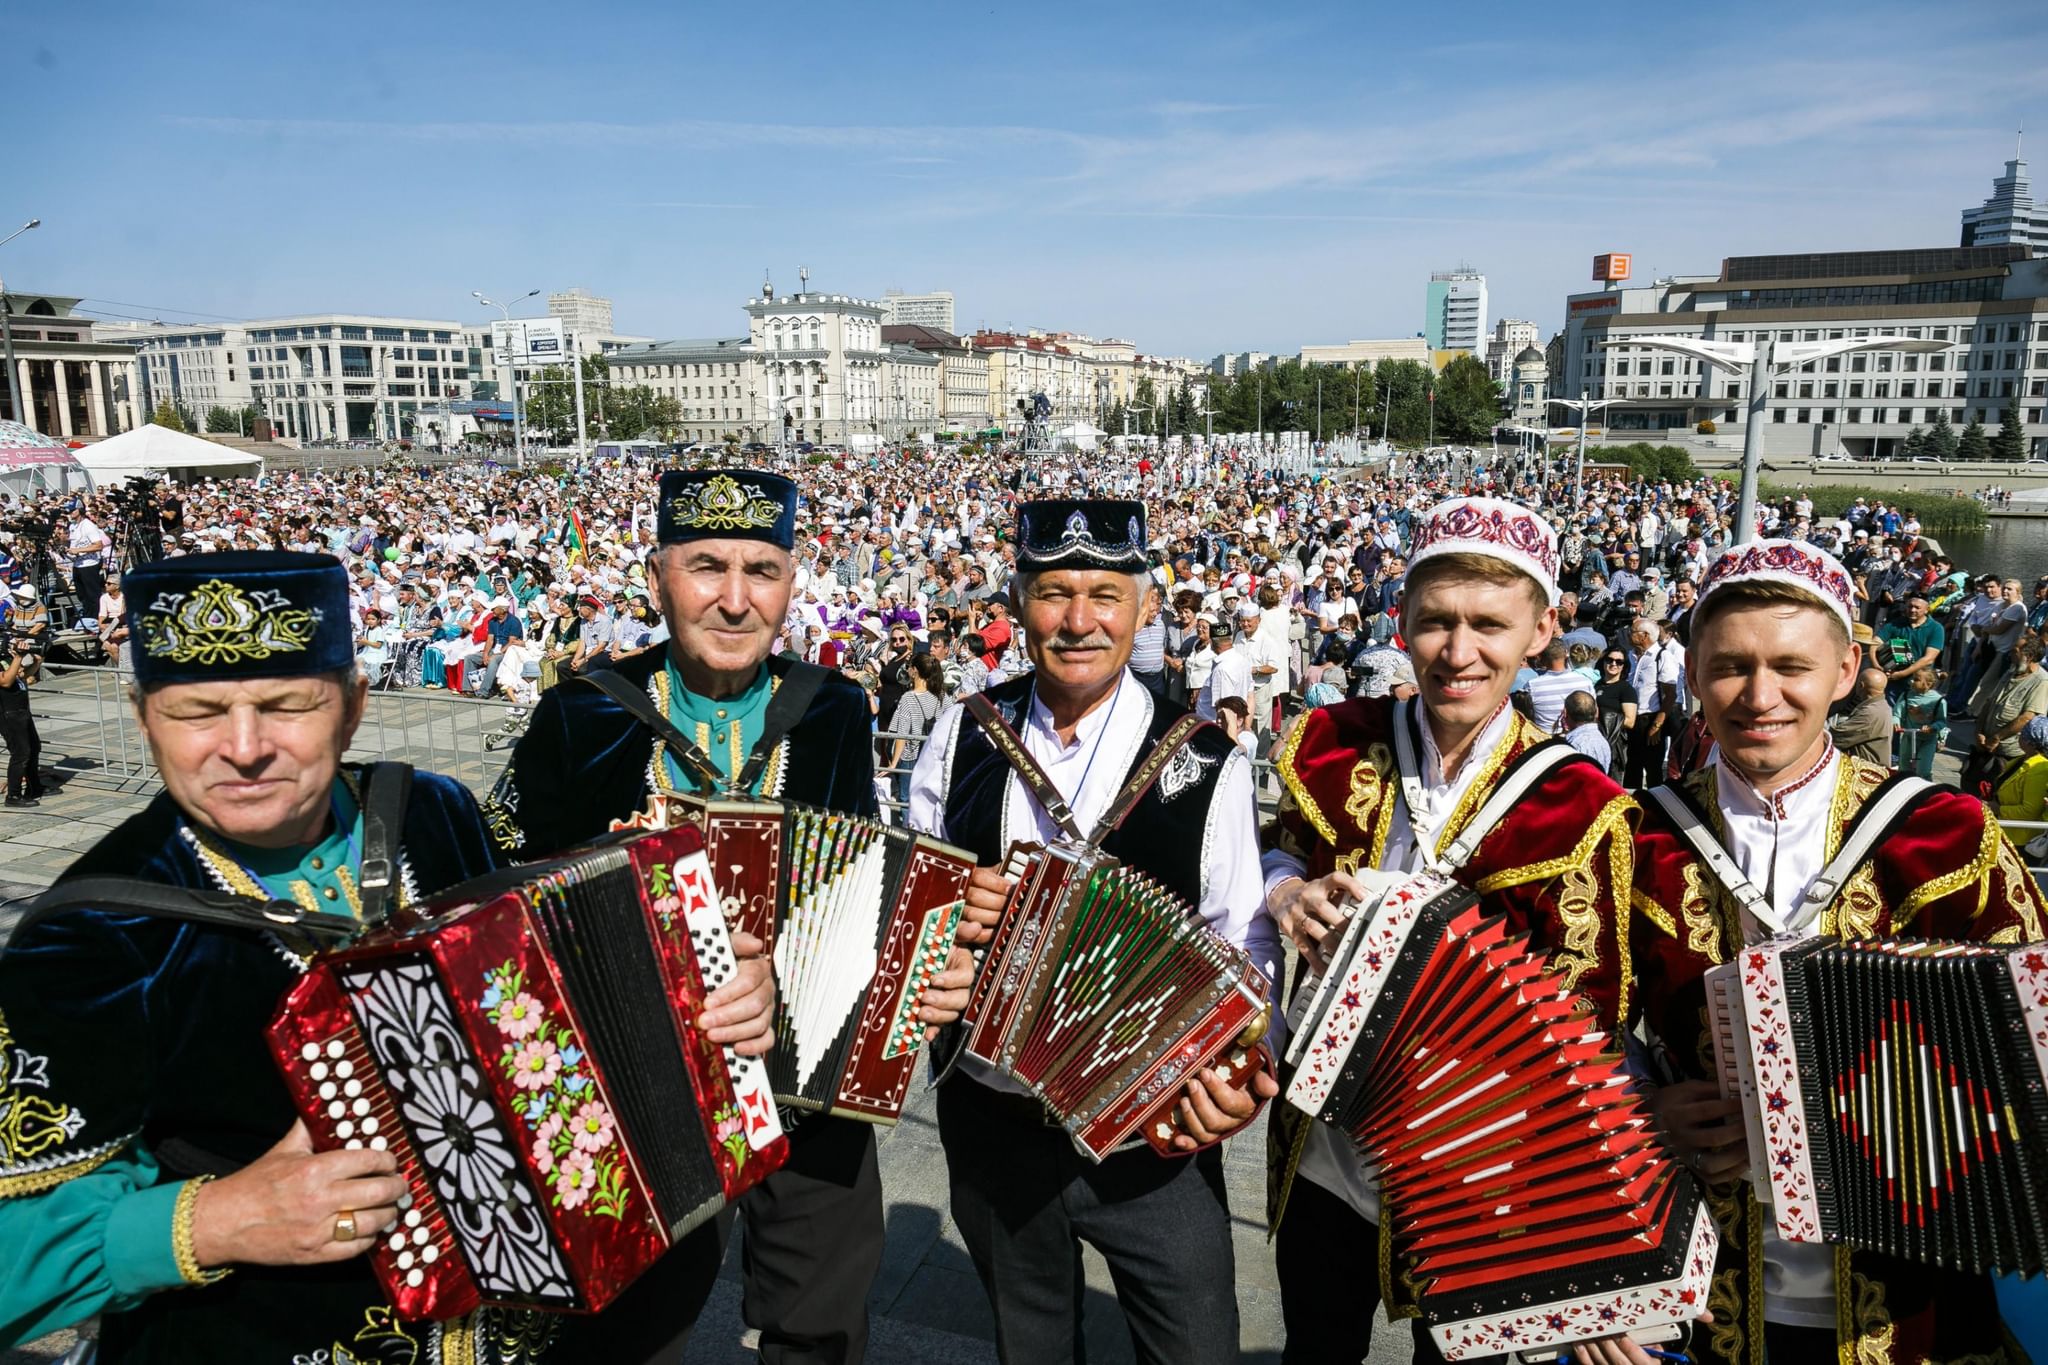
[1193,177]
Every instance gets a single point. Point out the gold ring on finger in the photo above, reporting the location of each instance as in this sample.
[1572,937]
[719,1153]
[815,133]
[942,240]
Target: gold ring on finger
[345,1226]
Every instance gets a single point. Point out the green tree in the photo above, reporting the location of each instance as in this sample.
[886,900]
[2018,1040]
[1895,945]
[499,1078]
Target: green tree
[1467,401]
[1975,446]
[1916,443]
[166,416]
[219,419]
[1404,388]
[551,403]
[1146,398]
[2010,445]
[1941,437]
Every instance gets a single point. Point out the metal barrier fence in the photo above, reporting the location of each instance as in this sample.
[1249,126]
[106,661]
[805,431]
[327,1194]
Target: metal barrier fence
[88,726]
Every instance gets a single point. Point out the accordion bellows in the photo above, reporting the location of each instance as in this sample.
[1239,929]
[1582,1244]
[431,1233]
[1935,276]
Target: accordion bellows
[1894,1094]
[1103,992]
[1517,1169]
[525,1046]
[858,917]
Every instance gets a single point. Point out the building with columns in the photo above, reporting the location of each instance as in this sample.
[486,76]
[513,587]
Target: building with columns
[73,385]
[1021,367]
[963,374]
[821,359]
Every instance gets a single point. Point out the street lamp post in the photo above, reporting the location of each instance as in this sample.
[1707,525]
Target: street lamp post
[511,371]
[1585,408]
[7,332]
[1763,359]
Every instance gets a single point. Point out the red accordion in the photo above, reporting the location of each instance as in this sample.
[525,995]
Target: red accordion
[1519,1173]
[1896,1094]
[858,917]
[525,1046]
[1103,993]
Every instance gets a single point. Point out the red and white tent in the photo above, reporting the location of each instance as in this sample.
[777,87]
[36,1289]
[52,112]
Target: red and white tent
[30,461]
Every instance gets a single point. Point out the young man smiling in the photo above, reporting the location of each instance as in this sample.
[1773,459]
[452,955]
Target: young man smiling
[1771,651]
[1377,788]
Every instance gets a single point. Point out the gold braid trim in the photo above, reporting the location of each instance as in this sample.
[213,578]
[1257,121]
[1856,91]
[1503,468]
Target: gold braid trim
[35,1182]
[189,1268]
[1652,912]
[1578,904]
[1865,1333]
[1949,883]
[1511,743]
[1292,781]
[458,1338]
[1753,1266]
[1614,814]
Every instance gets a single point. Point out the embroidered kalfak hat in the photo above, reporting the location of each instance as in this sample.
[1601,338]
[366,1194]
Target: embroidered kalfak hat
[238,614]
[1789,563]
[1078,533]
[1494,527]
[728,504]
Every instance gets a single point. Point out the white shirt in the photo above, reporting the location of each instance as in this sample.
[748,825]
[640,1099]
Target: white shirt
[1231,677]
[86,543]
[1547,691]
[1088,773]
[1643,676]
[1780,842]
[1327,1156]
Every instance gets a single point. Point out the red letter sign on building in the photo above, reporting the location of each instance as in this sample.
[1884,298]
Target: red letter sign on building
[1612,267]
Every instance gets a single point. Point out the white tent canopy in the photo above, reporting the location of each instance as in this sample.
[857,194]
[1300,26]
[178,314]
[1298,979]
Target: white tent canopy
[151,450]
[31,461]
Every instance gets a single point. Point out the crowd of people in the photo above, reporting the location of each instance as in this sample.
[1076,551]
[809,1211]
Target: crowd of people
[1280,589]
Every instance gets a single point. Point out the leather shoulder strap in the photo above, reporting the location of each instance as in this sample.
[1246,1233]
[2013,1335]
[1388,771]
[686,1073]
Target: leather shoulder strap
[1870,826]
[219,908]
[386,791]
[1033,774]
[1692,826]
[1529,768]
[785,711]
[1147,773]
[641,707]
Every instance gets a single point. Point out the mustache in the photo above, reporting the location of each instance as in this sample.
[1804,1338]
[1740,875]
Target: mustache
[1097,639]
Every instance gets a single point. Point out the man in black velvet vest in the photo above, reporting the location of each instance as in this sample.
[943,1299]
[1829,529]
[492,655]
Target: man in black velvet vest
[723,574]
[1024,1198]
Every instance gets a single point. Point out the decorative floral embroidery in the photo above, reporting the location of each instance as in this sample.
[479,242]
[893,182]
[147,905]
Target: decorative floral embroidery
[1784,561]
[29,1124]
[722,503]
[219,623]
[575,1135]
[1492,523]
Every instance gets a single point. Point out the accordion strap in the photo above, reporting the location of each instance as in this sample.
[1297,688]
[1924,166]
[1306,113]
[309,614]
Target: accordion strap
[1529,768]
[786,708]
[1878,817]
[1028,769]
[1172,742]
[223,909]
[386,790]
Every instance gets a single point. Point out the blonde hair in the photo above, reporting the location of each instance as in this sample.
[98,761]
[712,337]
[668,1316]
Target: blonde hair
[1467,564]
[1763,592]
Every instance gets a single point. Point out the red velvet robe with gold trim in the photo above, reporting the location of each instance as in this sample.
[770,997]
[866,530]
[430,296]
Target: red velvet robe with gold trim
[1950,873]
[1557,865]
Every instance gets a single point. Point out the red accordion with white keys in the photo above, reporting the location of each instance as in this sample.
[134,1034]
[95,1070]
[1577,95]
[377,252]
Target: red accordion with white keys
[1103,993]
[1518,1171]
[525,1045]
[1895,1093]
[858,917]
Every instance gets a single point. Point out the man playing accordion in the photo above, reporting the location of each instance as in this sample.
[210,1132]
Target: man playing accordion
[752,724]
[1377,788]
[148,1145]
[1023,1197]
[1770,651]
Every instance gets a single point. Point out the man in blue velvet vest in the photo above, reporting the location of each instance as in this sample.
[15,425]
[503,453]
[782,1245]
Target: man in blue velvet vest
[722,573]
[133,1068]
[1023,1197]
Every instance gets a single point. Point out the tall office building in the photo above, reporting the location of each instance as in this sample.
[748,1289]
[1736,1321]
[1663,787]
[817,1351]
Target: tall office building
[586,314]
[1454,310]
[2010,214]
[1511,336]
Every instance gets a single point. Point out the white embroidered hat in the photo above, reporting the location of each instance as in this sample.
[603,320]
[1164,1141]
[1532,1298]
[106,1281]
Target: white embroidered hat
[1495,527]
[1790,563]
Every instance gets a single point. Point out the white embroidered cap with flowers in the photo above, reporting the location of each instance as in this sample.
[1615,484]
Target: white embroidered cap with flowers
[1495,527]
[1788,563]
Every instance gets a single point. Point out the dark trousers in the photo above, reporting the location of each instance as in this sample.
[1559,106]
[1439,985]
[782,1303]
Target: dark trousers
[90,582]
[1645,765]
[1327,1259]
[1155,683]
[1792,1345]
[813,1242]
[18,732]
[648,1324]
[1026,1200]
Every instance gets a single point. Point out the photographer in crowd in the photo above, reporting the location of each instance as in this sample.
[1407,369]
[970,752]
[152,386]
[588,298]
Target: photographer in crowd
[19,668]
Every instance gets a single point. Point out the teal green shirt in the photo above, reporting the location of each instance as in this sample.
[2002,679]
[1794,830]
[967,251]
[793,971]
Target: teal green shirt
[726,729]
[326,873]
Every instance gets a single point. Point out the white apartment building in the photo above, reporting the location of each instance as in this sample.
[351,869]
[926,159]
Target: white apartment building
[934,310]
[1231,364]
[1454,310]
[1511,336]
[821,358]
[913,392]
[1021,367]
[963,402]
[714,383]
[1989,302]
[583,311]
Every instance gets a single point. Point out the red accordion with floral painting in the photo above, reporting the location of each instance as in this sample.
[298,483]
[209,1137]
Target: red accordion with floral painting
[498,1042]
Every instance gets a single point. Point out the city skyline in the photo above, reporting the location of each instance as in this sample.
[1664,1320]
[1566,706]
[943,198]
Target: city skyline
[1217,185]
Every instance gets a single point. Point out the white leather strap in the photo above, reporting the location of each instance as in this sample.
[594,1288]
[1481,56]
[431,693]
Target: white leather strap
[1695,832]
[1530,769]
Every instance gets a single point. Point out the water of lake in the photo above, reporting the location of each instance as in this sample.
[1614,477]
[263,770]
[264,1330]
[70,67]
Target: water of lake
[2011,547]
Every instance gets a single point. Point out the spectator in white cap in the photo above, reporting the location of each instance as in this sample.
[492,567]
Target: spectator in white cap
[1231,674]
